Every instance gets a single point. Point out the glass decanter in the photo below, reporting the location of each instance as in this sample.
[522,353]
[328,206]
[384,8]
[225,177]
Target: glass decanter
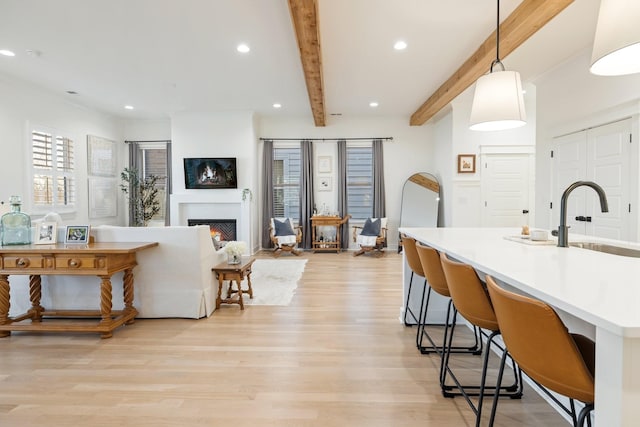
[16,225]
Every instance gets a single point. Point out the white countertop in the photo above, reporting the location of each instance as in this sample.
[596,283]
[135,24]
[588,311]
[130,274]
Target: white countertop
[597,287]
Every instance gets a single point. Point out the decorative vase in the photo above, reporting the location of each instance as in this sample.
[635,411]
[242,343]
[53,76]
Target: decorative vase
[15,225]
[233,258]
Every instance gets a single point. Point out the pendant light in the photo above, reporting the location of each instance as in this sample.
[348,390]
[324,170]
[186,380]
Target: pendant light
[498,103]
[616,47]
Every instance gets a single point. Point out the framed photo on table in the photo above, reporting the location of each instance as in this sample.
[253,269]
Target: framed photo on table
[77,234]
[46,233]
[466,163]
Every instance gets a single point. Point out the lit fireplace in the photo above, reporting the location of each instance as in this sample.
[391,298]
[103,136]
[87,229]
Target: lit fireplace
[222,230]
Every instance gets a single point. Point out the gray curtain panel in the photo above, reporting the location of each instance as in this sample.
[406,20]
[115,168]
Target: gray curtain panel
[306,191]
[342,191]
[168,187]
[134,163]
[267,191]
[379,209]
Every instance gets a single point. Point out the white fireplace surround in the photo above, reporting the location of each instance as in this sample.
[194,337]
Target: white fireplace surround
[217,204]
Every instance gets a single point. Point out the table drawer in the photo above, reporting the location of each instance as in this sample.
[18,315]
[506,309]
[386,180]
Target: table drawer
[76,262]
[22,262]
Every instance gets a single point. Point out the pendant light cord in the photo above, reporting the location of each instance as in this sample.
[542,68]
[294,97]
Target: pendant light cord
[497,60]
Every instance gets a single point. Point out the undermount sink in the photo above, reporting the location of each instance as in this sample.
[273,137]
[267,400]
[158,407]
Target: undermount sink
[610,249]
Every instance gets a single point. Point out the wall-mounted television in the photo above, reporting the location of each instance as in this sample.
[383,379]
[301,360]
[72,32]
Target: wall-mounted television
[210,173]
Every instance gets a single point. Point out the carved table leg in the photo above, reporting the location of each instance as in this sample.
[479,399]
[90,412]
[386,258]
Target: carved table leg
[105,304]
[35,293]
[219,299]
[249,289]
[4,303]
[128,296]
[239,283]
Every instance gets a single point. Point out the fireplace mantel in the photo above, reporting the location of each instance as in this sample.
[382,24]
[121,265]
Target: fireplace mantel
[213,204]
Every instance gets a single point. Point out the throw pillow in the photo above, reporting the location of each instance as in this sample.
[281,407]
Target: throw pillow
[283,228]
[371,227]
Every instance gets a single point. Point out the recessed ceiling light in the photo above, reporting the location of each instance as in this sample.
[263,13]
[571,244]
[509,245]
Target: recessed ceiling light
[400,45]
[243,48]
[128,107]
[6,52]
[373,104]
[276,105]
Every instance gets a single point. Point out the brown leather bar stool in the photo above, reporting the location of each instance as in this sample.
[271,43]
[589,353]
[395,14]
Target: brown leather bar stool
[471,300]
[410,253]
[545,350]
[432,268]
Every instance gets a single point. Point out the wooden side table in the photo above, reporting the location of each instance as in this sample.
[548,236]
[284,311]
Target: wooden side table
[323,245]
[234,273]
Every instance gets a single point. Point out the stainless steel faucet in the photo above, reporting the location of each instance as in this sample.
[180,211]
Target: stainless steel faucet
[563,230]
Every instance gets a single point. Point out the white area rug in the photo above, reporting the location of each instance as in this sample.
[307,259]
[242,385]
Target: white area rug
[274,281]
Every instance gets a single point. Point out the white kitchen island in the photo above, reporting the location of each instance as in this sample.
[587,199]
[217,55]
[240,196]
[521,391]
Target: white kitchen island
[599,288]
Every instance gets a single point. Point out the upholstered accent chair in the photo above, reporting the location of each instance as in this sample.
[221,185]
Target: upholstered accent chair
[285,236]
[371,236]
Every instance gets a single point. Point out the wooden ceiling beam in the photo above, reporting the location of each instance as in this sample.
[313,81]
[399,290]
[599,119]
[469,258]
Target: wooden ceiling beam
[526,20]
[304,14]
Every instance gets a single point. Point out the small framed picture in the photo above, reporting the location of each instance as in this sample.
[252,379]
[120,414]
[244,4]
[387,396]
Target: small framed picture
[325,183]
[46,233]
[324,164]
[77,234]
[466,163]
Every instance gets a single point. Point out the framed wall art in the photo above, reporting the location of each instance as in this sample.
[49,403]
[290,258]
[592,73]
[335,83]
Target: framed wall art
[325,183]
[103,197]
[466,163]
[101,156]
[324,164]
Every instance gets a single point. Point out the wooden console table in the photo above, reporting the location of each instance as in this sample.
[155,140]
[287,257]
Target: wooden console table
[323,245]
[234,273]
[95,259]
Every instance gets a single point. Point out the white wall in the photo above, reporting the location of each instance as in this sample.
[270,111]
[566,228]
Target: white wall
[411,151]
[21,103]
[147,130]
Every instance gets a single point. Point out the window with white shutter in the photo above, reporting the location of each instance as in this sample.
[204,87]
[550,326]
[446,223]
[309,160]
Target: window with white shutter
[53,172]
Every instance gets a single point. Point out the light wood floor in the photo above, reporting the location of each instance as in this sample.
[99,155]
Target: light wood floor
[337,356]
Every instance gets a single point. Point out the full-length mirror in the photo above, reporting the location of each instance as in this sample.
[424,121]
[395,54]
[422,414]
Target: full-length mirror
[420,200]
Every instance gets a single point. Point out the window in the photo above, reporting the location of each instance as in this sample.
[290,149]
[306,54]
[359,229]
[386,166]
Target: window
[154,162]
[360,181]
[53,172]
[286,182]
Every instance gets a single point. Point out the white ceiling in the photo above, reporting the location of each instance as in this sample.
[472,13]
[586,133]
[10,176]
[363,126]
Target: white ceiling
[166,56]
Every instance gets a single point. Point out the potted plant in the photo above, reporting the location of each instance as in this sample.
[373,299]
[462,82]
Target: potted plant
[142,193]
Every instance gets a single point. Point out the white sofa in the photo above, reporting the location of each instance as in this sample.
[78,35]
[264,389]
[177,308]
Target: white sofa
[173,279]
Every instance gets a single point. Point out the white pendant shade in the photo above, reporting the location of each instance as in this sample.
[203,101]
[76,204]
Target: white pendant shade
[498,103]
[616,47]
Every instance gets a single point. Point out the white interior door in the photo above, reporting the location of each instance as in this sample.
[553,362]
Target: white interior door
[505,182]
[569,165]
[608,153]
[601,155]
